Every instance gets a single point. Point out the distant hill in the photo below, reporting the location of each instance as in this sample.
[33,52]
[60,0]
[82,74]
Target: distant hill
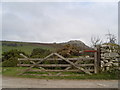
[27,47]
[78,44]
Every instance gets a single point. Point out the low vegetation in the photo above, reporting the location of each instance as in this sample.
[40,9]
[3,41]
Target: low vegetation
[14,71]
[40,53]
[10,58]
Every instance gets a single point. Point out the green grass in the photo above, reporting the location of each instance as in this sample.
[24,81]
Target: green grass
[14,71]
[27,49]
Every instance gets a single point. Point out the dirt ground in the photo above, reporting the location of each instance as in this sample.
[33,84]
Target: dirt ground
[13,82]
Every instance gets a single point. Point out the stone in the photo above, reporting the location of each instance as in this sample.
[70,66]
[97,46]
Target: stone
[104,45]
[106,55]
[102,55]
[115,64]
[113,54]
[106,61]
[108,64]
[102,63]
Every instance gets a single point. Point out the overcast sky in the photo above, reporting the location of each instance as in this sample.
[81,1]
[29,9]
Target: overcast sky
[58,21]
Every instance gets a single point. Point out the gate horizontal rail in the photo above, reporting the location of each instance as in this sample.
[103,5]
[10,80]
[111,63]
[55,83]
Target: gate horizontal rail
[38,59]
[54,65]
[32,70]
[53,75]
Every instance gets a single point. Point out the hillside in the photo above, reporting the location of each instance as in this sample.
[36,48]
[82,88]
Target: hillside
[78,44]
[27,47]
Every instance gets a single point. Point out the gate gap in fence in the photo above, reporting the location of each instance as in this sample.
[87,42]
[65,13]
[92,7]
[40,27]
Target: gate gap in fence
[56,65]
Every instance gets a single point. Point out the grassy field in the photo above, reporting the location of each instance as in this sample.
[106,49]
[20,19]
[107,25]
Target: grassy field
[25,47]
[14,71]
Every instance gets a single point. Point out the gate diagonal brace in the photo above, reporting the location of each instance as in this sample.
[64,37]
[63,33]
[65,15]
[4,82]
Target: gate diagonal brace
[27,58]
[68,67]
[30,60]
[36,64]
[80,68]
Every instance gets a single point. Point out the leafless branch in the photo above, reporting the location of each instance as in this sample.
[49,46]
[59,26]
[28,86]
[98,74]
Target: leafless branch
[95,41]
[111,38]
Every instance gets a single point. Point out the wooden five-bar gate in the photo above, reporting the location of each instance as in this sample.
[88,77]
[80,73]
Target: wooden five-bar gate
[57,63]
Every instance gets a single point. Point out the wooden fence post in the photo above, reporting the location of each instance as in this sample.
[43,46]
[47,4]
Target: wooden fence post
[99,59]
[97,62]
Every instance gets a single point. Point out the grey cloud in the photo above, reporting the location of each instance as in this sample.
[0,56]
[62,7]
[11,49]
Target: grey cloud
[57,22]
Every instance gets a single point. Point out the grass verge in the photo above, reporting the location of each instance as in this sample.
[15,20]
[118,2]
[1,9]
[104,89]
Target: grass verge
[14,71]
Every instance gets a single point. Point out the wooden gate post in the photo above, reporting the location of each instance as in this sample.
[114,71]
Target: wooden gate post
[97,62]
